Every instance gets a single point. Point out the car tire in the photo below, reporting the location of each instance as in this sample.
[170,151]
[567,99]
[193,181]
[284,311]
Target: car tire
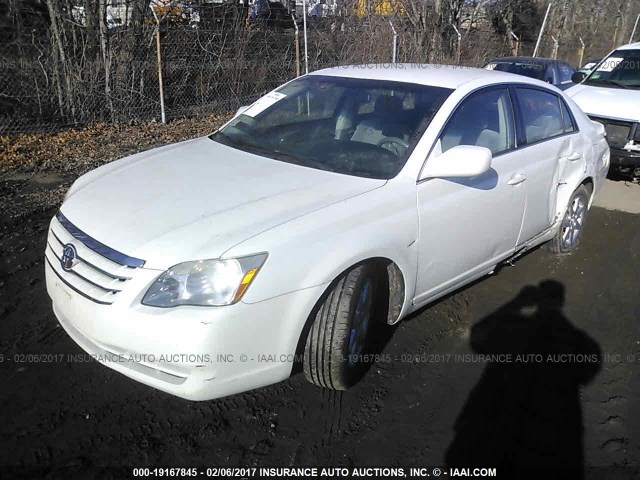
[571,229]
[339,341]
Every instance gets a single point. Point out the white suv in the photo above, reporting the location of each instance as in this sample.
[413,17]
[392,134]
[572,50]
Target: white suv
[610,94]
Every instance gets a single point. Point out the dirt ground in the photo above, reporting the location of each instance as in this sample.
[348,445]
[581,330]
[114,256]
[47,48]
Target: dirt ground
[431,400]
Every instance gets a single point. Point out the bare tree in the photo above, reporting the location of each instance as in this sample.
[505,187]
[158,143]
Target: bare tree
[61,73]
[430,24]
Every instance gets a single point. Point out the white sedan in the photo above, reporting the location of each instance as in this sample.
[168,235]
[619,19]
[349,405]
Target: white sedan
[345,199]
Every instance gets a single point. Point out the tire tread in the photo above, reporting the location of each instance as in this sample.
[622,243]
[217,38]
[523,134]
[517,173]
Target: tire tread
[322,365]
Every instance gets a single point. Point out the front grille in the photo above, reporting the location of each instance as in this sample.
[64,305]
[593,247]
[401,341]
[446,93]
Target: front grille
[618,131]
[98,272]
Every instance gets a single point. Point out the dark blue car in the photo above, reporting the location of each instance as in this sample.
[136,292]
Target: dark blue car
[555,72]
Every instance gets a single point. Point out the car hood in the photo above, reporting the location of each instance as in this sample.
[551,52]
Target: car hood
[197,199]
[620,103]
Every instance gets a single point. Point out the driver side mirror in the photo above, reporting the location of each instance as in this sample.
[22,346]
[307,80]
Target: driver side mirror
[459,161]
[578,77]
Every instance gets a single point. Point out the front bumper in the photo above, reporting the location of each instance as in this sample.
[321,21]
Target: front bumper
[197,353]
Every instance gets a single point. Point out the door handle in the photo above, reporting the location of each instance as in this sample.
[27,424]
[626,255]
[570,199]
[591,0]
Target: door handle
[574,156]
[516,179]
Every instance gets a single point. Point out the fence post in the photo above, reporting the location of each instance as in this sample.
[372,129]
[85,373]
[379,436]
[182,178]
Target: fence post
[516,48]
[459,45]
[304,27]
[634,29]
[159,59]
[581,52]
[394,45]
[297,45]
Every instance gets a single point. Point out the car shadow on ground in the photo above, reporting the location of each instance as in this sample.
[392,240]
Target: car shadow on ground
[525,410]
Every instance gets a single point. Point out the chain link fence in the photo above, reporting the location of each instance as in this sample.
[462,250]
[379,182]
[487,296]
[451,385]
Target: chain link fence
[46,86]
[69,63]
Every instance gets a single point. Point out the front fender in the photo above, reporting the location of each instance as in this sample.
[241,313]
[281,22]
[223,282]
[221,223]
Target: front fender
[314,249]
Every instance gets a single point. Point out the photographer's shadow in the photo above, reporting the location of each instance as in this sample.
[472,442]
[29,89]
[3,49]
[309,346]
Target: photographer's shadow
[526,412]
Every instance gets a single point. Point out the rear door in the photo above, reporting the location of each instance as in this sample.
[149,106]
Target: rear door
[548,141]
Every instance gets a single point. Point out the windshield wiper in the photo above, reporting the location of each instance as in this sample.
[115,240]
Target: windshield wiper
[241,144]
[226,139]
[276,154]
[609,82]
[307,162]
[269,152]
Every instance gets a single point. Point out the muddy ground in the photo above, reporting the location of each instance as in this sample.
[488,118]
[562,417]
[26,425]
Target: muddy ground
[423,403]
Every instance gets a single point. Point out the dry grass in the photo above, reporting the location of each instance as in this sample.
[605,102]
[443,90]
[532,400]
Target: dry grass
[79,150]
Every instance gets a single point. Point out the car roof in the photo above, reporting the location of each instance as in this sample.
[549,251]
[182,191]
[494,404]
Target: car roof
[630,46]
[527,59]
[446,76]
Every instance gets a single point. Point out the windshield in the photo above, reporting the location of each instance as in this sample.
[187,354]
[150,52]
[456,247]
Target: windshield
[526,67]
[352,126]
[621,69]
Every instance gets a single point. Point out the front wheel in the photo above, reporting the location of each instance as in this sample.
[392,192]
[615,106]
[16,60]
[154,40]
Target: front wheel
[570,233]
[337,347]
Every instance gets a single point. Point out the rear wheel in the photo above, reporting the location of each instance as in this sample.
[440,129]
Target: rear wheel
[337,347]
[570,233]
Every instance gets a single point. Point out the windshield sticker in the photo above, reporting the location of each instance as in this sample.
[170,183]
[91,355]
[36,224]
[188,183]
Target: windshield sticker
[491,66]
[263,103]
[609,64]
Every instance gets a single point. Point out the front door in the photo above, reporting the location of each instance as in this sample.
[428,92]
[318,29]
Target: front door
[467,225]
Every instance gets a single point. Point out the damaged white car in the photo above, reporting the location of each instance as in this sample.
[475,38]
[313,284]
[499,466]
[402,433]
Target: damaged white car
[345,199]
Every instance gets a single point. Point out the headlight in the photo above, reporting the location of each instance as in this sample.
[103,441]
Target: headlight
[204,282]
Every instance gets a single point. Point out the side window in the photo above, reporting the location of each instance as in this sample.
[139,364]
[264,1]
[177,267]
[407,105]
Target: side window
[550,74]
[484,119]
[541,115]
[567,119]
[566,72]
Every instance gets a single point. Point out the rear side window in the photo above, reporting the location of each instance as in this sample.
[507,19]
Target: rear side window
[484,119]
[567,118]
[566,72]
[527,68]
[550,75]
[541,114]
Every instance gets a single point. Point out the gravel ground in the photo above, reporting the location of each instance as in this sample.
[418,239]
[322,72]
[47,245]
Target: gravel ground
[431,399]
